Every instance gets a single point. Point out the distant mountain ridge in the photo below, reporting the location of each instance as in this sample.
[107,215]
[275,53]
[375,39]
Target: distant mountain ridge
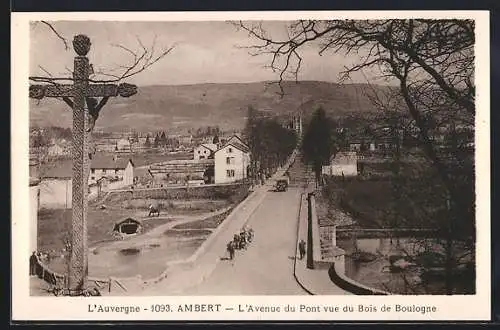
[178,107]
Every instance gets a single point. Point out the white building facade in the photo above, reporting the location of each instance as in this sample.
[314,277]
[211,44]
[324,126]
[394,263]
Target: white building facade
[342,164]
[55,193]
[123,172]
[204,151]
[231,163]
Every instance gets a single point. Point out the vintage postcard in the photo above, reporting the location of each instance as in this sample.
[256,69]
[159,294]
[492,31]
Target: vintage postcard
[251,166]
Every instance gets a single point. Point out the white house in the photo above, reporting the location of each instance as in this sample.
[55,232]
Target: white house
[342,163]
[56,183]
[112,168]
[204,151]
[55,186]
[231,162]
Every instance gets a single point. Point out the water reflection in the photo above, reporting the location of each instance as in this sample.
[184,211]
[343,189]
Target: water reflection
[147,259]
[407,278]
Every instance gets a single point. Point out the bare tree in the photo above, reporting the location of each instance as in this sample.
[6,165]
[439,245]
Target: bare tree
[431,63]
[140,61]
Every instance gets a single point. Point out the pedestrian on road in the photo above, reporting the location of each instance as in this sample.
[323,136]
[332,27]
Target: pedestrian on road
[230,249]
[302,249]
[236,241]
[243,237]
[250,235]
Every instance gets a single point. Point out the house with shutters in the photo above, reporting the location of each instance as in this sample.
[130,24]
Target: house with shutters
[231,161]
[344,163]
[204,151]
[113,169]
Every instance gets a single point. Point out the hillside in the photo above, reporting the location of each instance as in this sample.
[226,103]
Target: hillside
[184,106]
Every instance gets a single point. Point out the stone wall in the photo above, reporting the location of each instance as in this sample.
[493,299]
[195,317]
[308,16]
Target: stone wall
[335,261]
[172,193]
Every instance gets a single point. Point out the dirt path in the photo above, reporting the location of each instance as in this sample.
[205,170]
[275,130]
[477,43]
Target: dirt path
[148,236]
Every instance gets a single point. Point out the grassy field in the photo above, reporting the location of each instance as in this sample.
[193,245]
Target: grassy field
[212,222]
[415,199]
[187,233]
[378,204]
[54,226]
[176,206]
[378,199]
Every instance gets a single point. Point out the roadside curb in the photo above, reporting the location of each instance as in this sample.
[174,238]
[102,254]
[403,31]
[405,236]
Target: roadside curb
[313,281]
[300,210]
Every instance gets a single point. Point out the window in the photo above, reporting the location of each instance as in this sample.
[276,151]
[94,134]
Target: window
[230,173]
[92,178]
[228,160]
[230,150]
[202,157]
[116,171]
[199,151]
[92,171]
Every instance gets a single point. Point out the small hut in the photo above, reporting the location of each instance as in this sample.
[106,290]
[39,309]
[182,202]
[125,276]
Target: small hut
[128,226]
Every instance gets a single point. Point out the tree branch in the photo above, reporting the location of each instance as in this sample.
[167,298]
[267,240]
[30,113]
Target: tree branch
[65,42]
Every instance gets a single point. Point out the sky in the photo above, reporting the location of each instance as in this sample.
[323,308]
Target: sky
[204,52]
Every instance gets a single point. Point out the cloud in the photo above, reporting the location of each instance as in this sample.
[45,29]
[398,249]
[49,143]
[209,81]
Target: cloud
[205,52]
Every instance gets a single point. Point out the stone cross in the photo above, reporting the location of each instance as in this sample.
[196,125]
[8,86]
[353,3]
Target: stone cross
[77,95]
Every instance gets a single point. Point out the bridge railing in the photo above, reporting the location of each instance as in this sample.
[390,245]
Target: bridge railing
[343,282]
[334,258]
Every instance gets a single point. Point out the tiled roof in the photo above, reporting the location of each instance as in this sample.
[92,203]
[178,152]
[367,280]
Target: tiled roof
[237,145]
[210,146]
[236,136]
[107,162]
[60,170]
[64,169]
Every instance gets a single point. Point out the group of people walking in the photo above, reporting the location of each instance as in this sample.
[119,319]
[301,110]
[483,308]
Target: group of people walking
[240,241]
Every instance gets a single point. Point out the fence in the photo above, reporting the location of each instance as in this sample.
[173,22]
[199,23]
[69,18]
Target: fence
[43,272]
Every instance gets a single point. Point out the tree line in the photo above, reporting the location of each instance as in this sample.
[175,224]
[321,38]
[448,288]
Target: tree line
[42,137]
[270,142]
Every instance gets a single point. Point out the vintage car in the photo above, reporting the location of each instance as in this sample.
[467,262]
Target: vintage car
[281,184]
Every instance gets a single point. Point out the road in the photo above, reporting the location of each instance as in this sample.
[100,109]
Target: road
[266,266]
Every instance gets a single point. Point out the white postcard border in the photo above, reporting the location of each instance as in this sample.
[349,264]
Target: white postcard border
[24,307]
